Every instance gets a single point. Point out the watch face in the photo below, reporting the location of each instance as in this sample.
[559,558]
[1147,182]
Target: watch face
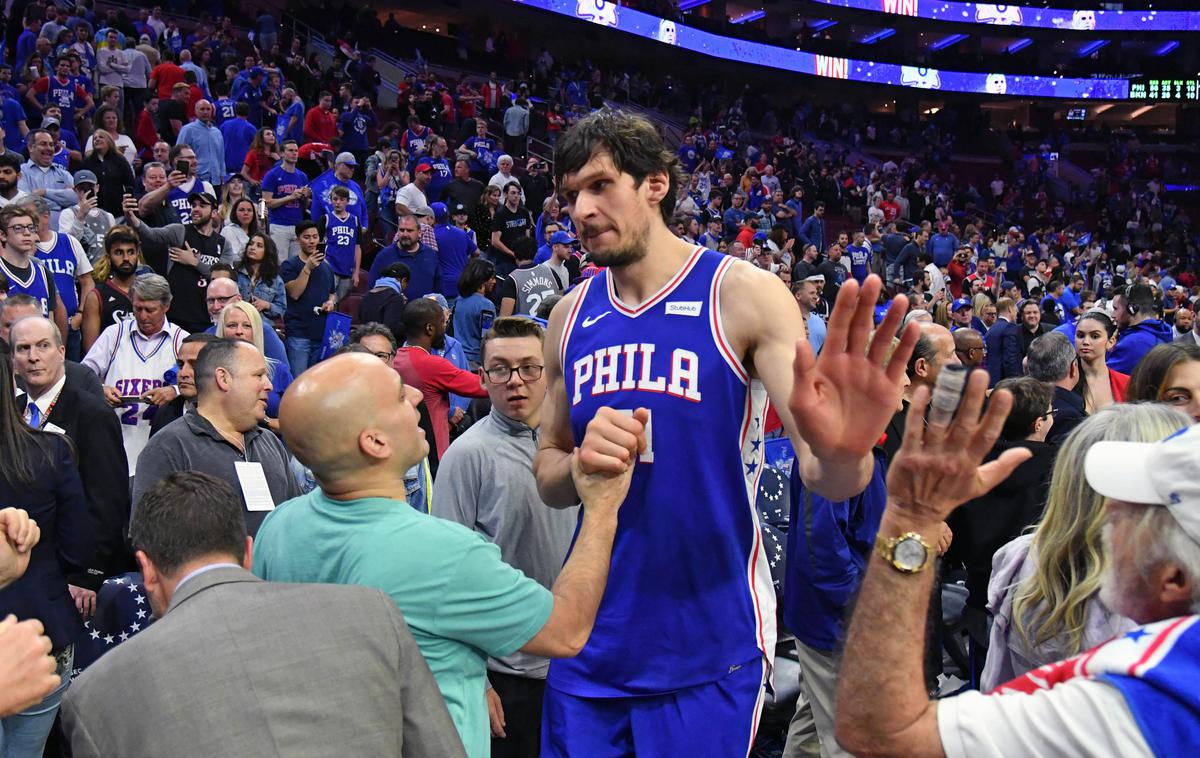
[910,554]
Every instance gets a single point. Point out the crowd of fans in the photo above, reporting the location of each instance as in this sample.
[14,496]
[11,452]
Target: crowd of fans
[239,301]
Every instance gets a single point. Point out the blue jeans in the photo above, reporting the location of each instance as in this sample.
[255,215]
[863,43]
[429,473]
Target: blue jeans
[23,735]
[302,353]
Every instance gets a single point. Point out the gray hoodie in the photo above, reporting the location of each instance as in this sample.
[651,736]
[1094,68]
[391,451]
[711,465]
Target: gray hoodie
[1009,655]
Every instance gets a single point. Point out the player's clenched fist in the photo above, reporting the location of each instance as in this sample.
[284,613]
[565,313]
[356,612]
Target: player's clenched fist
[26,668]
[612,442]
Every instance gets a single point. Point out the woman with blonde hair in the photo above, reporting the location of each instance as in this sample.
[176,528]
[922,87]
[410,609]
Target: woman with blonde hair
[1044,593]
[241,321]
[114,175]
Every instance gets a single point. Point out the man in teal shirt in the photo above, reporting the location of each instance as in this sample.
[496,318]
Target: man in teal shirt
[461,601]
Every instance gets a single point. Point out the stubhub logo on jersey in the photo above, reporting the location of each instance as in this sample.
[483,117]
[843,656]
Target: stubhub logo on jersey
[632,366]
[684,308]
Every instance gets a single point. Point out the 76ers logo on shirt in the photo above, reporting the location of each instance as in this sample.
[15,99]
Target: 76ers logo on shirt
[1000,15]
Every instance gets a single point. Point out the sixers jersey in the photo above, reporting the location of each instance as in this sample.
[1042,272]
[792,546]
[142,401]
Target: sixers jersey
[62,258]
[137,366]
[37,283]
[341,237]
[689,597]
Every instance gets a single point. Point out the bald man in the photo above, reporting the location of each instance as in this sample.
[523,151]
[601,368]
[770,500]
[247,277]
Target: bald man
[462,602]
[968,346]
[206,140]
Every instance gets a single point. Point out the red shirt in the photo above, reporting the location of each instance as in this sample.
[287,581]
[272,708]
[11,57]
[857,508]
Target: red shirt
[260,163]
[891,211]
[1119,383]
[437,377]
[319,125]
[957,273]
[166,75]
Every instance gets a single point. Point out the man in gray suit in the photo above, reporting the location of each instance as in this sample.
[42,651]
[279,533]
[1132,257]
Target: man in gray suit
[236,666]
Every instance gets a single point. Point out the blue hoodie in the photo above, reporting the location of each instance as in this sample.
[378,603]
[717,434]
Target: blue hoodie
[828,548]
[1135,341]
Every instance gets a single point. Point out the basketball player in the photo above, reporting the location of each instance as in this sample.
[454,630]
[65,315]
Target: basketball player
[135,360]
[666,359]
[25,274]
[109,302]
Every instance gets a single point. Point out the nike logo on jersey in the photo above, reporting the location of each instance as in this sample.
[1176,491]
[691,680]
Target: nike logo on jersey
[593,319]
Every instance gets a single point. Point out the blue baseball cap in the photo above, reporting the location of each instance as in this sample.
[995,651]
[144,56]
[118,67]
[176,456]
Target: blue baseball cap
[960,304]
[760,237]
[440,211]
[562,238]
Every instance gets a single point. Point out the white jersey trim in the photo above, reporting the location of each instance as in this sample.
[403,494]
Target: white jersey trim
[758,569]
[718,325]
[657,297]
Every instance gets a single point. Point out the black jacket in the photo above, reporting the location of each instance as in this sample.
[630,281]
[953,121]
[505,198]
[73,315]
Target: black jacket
[56,501]
[93,428]
[984,525]
[1068,413]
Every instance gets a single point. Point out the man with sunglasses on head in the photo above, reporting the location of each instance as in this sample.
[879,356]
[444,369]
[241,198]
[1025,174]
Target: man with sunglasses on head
[485,482]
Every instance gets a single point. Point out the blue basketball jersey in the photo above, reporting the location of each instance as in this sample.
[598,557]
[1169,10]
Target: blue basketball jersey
[36,284]
[689,595]
[341,237]
[63,95]
[61,261]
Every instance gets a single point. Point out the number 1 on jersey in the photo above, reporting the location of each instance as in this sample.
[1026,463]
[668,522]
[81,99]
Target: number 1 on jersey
[648,456]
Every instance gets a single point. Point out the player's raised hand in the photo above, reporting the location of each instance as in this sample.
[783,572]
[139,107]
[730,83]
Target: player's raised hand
[842,401]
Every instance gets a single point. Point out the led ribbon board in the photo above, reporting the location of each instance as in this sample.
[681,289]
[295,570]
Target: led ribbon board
[1042,18]
[609,14]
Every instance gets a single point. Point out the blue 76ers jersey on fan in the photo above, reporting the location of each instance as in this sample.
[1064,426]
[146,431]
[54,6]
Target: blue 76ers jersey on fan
[689,597]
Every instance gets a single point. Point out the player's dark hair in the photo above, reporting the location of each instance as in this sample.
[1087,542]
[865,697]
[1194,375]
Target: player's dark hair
[631,142]
[201,337]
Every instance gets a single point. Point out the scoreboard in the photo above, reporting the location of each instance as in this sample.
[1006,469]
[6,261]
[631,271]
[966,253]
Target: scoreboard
[1152,88]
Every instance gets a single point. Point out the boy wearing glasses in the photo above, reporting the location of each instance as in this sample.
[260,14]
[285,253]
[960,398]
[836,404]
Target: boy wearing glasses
[485,482]
[25,274]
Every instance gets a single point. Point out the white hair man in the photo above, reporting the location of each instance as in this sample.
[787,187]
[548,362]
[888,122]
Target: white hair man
[1131,696]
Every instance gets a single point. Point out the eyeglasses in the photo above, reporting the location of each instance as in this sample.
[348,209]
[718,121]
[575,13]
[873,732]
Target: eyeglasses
[22,228]
[385,357]
[216,300]
[502,374]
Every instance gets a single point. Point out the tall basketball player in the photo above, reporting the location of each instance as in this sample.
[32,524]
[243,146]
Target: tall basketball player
[666,360]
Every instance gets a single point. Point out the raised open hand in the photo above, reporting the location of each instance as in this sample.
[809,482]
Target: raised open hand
[843,400]
[937,467]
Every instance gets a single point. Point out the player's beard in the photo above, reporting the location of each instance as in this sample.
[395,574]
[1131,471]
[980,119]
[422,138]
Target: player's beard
[627,252]
[125,269]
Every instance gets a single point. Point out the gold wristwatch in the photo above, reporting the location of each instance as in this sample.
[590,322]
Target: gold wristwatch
[909,553]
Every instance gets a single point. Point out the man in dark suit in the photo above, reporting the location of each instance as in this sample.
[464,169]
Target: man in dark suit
[17,307]
[1051,359]
[283,669]
[1004,343]
[55,401]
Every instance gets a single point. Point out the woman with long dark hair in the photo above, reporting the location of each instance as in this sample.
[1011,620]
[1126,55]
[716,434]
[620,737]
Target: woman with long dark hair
[261,157]
[241,222]
[38,474]
[258,276]
[1099,385]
